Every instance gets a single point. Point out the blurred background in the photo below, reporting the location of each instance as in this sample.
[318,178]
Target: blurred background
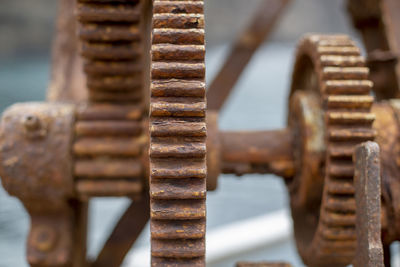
[258,102]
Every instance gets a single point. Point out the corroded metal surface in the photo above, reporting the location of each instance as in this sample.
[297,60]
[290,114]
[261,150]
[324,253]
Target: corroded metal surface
[56,156]
[367,185]
[245,152]
[178,134]
[111,36]
[109,139]
[35,142]
[108,148]
[331,68]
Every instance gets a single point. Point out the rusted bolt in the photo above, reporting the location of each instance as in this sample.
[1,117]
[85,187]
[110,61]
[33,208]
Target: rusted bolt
[44,238]
[31,123]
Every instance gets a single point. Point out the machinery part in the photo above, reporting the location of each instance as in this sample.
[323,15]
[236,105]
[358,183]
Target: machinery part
[178,134]
[42,180]
[257,152]
[378,23]
[108,150]
[109,142]
[243,50]
[367,185]
[330,69]
[111,42]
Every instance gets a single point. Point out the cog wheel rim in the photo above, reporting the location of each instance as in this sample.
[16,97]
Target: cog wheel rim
[109,128]
[342,85]
[178,134]
[111,37]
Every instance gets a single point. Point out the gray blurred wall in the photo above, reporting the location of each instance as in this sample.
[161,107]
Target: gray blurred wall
[26,26]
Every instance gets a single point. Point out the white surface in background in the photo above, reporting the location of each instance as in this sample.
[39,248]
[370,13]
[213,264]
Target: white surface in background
[229,240]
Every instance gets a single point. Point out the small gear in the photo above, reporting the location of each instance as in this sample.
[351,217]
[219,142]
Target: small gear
[329,73]
[111,34]
[109,139]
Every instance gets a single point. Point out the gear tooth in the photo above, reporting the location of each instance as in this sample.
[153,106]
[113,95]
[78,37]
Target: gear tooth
[338,219]
[109,112]
[177,70]
[178,229]
[341,203]
[336,41]
[345,73]
[178,52]
[110,51]
[178,170]
[342,51]
[177,127]
[111,168]
[106,146]
[340,61]
[347,87]
[351,134]
[363,102]
[100,68]
[107,128]
[108,12]
[178,21]
[340,187]
[341,170]
[114,83]
[350,118]
[109,33]
[121,97]
[178,7]
[173,189]
[178,150]
[178,209]
[177,88]
[341,151]
[344,247]
[178,36]
[180,248]
[164,107]
[339,234]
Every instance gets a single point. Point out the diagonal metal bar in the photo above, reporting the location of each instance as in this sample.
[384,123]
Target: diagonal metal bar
[367,185]
[124,234]
[244,48]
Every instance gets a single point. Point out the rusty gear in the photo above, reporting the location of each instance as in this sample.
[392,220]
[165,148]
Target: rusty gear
[178,134]
[109,138]
[330,69]
[110,34]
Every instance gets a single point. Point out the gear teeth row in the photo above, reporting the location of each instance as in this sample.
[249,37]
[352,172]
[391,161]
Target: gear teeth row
[178,134]
[348,122]
[111,34]
[107,150]
[345,96]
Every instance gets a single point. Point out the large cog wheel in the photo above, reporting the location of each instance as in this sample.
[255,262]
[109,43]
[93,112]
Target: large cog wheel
[178,134]
[330,85]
